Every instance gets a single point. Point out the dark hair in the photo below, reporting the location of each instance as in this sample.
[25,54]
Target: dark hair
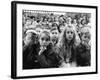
[52,29]
[54,24]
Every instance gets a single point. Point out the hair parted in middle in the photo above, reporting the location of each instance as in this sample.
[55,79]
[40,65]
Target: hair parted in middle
[46,32]
[62,45]
[62,38]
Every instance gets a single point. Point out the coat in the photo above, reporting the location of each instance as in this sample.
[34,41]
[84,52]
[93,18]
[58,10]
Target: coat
[83,56]
[31,59]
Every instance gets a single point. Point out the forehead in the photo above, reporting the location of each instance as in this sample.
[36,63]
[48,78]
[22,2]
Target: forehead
[43,35]
[28,20]
[70,29]
[54,31]
[38,29]
[29,33]
[87,34]
[69,18]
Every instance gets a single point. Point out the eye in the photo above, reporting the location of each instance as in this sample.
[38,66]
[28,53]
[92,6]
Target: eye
[53,33]
[47,39]
[68,32]
[42,39]
[85,36]
[71,32]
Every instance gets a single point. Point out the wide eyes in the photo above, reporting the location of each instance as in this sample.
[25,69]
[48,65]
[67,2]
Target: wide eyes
[38,31]
[87,37]
[44,39]
[69,32]
[54,33]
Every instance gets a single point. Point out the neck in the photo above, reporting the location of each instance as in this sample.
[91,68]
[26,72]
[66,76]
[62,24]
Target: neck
[68,42]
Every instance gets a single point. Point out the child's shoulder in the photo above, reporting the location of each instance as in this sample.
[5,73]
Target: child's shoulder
[80,47]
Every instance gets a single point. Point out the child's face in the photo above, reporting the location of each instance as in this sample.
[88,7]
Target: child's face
[54,33]
[44,40]
[69,34]
[69,20]
[54,40]
[83,22]
[28,22]
[38,30]
[28,38]
[62,28]
[85,37]
[75,21]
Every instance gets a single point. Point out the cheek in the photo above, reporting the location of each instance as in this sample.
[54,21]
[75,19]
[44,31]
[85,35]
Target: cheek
[72,35]
[27,38]
[48,42]
[83,38]
[40,41]
[87,39]
[67,35]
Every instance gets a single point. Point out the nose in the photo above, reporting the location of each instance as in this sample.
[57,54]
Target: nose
[70,34]
[44,41]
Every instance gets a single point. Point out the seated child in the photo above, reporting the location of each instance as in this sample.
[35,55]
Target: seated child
[54,32]
[54,40]
[83,50]
[29,41]
[46,56]
[67,46]
[41,54]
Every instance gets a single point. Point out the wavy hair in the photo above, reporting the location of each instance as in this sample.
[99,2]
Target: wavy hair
[62,45]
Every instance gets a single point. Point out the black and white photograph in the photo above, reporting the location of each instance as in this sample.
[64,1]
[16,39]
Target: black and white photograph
[56,39]
[53,39]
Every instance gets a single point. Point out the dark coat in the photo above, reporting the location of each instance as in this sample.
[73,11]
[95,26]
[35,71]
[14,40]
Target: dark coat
[83,55]
[31,59]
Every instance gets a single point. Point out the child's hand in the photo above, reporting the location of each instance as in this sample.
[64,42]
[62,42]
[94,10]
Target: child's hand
[86,44]
[42,49]
[67,60]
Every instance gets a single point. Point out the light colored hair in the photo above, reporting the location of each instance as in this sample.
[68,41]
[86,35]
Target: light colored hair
[47,33]
[63,42]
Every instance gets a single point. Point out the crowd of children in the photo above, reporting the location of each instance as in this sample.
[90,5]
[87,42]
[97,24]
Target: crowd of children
[56,41]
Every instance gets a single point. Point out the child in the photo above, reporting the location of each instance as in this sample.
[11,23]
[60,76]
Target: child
[38,29]
[69,20]
[46,56]
[41,55]
[67,45]
[83,50]
[54,32]
[29,41]
[30,37]
[54,40]
[28,24]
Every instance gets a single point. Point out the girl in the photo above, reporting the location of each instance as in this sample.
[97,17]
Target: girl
[41,54]
[67,45]
[83,50]
[46,57]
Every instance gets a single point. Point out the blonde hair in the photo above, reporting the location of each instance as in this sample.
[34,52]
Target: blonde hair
[63,42]
[62,39]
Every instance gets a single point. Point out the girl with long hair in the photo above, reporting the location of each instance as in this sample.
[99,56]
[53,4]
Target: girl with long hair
[67,44]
